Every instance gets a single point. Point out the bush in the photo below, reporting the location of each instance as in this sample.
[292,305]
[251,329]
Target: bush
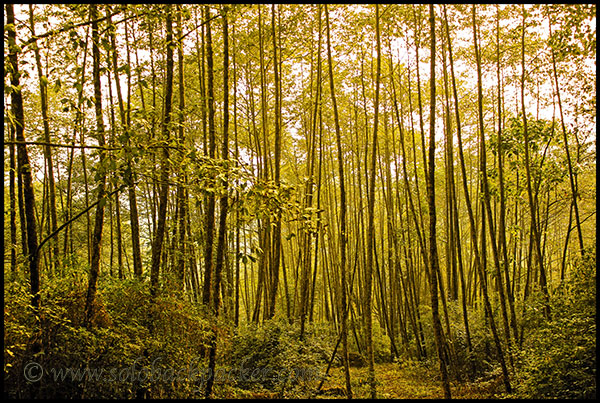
[558,359]
[121,356]
[358,354]
[272,357]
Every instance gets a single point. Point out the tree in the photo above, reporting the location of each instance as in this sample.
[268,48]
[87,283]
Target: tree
[210,207]
[371,220]
[24,167]
[532,201]
[101,189]
[343,234]
[485,185]
[157,244]
[433,255]
[276,242]
[43,80]
[223,202]
[480,267]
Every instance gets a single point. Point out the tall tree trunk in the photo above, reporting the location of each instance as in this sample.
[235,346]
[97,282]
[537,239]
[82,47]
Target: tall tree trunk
[532,201]
[433,255]
[566,142]
[276,242]
[485,185]
[24,168]
[210,208]
[478,261]
[43,80]
[159,235]
[99,218]
[305,248]
[343,234]
[453,204]
[238,224]
[371,223]
[112,60]
[111,143]
[221,241]
[182,200]
[13,204]
[77,127]
[502,217]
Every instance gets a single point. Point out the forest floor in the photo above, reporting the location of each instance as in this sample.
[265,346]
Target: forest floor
[409,382]
[393,382]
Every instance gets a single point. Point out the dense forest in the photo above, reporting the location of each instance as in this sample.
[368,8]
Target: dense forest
[299,200]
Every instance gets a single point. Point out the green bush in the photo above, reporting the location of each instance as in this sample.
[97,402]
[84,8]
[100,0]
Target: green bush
[558,359]
[272,357]
[121,356]
[358,354]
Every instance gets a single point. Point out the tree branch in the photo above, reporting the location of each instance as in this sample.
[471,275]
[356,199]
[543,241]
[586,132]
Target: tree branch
[123,186]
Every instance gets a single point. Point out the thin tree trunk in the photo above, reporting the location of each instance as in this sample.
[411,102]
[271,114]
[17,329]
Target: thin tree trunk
[43,81]
[478,262]
[221,243]
[99,218]
[371,223]
[182,200]
[159,235]
[276,243]
[502,218]
[13,205]
[566,142]
[532,202]
[210,208]
[433,256]
[486,192]
[456,239]
[343,234]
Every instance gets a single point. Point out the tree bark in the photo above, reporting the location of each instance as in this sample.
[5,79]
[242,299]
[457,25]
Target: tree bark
[343,234]
[47,150]
[371,223]
[532,202]
[24,168]
[276,242]
[221,242]
[210,208]
[99,218]
[433,255]
[159,235]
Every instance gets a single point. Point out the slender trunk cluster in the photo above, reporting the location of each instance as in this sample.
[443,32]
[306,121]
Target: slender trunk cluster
[343,173]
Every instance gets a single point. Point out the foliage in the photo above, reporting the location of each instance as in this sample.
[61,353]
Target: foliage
[273,357]
[136,347]
[558,359]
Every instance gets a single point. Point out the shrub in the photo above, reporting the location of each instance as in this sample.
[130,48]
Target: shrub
[272,357]
[121,356]
[558,359]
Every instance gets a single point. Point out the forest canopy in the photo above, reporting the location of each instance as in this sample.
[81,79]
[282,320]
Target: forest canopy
[349,196]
